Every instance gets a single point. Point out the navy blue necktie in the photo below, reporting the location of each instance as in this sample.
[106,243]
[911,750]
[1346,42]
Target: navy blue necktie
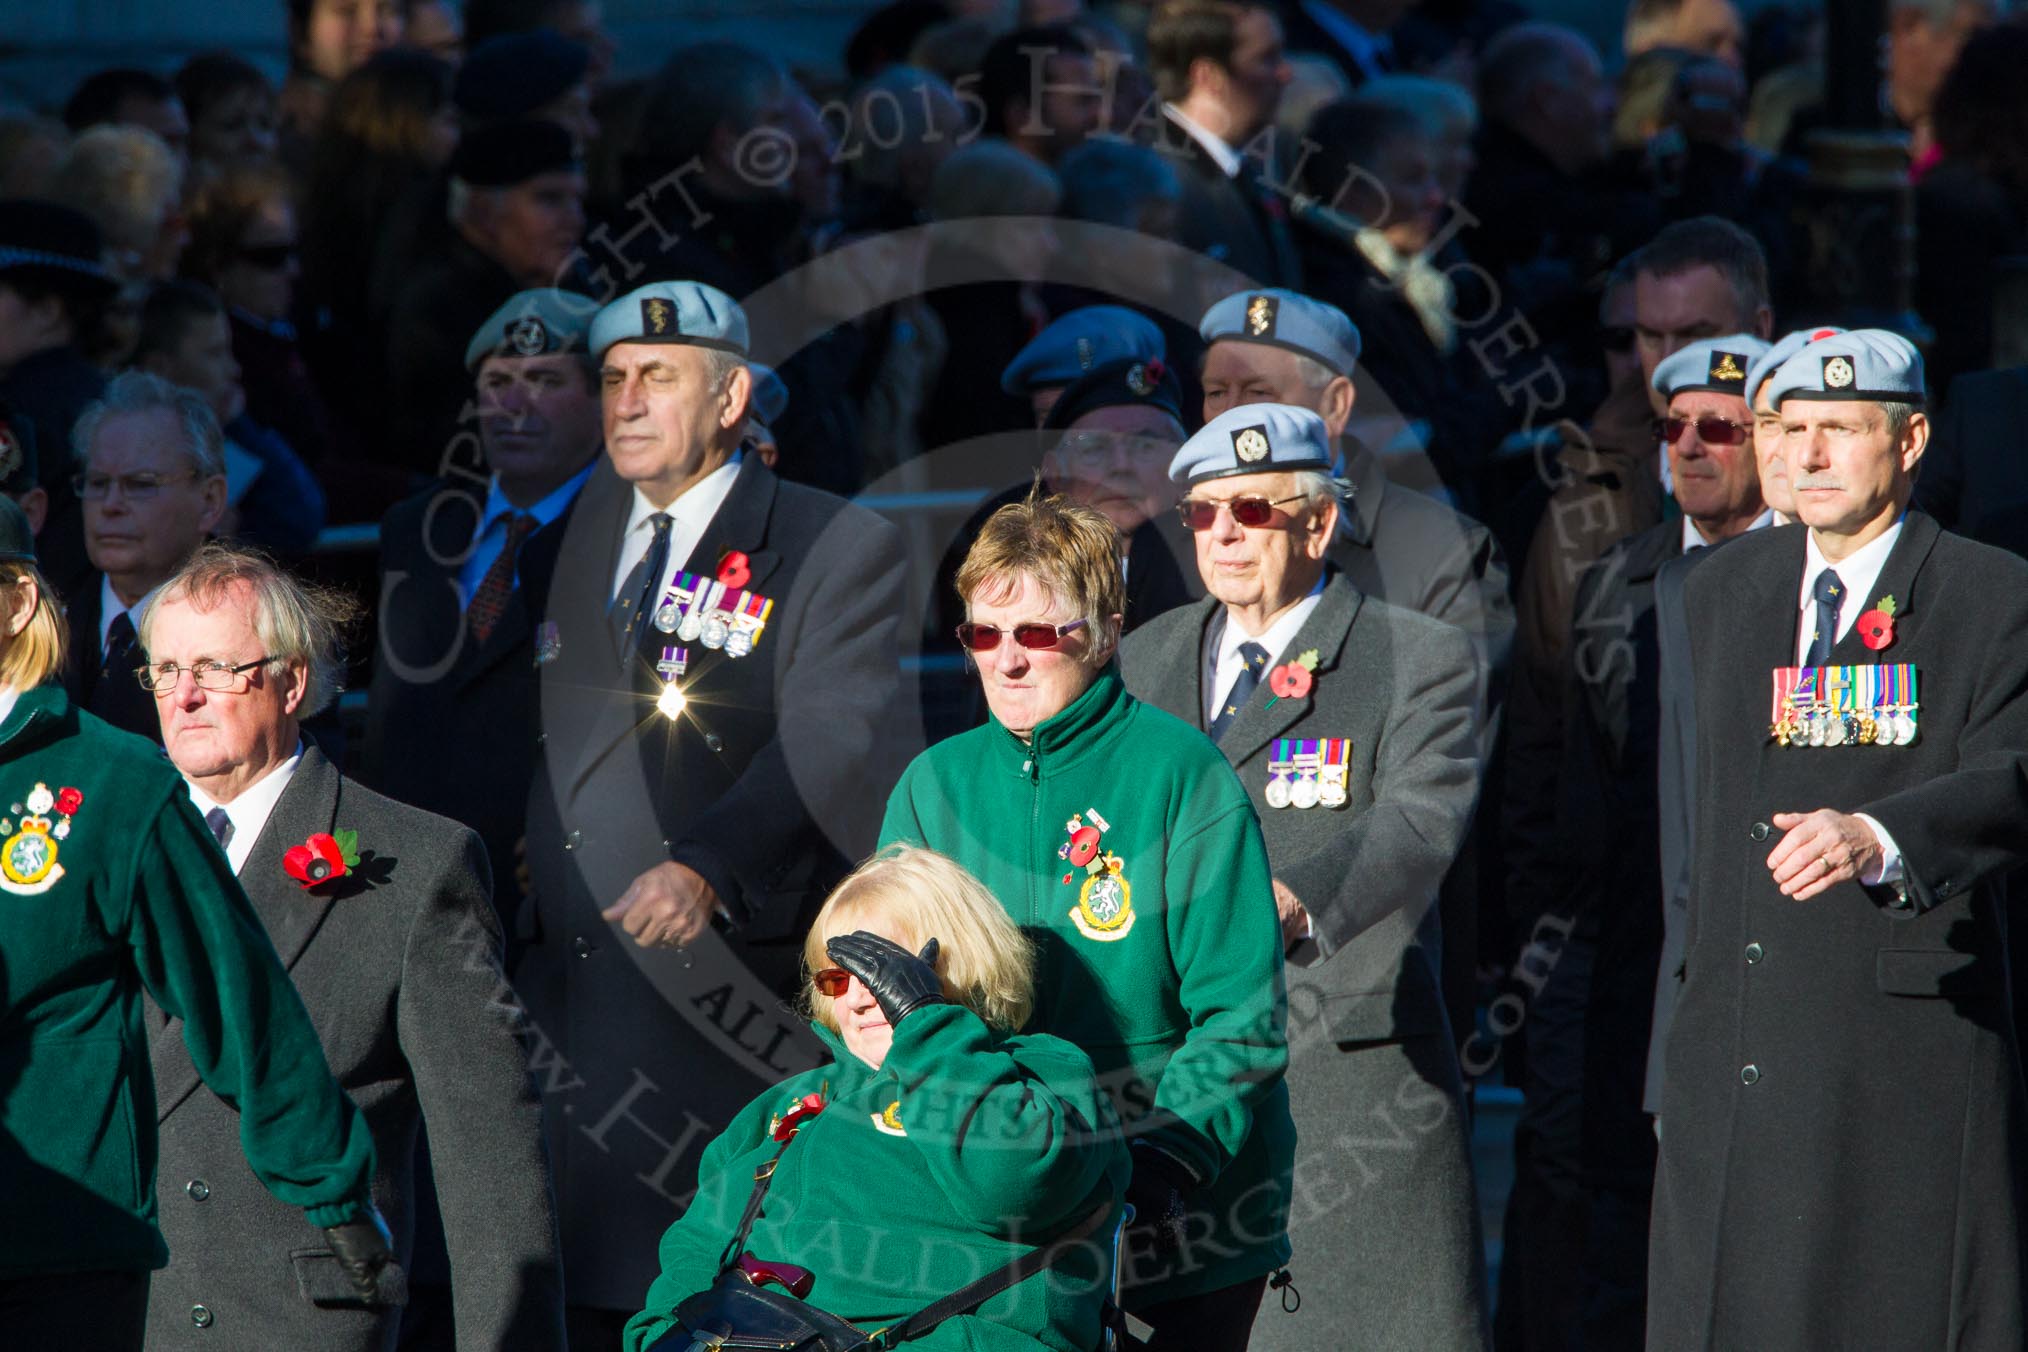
[1256,659]
[1830,594]
[635,600]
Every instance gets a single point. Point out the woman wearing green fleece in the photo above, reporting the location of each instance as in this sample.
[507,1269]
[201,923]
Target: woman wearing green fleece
[934,1149]
[1120,841]
[110,886]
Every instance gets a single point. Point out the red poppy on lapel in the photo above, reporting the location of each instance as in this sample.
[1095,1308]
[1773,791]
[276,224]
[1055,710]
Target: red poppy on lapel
[1876,626]
[734,569]
[322,858]
[805,1108]
[68,801]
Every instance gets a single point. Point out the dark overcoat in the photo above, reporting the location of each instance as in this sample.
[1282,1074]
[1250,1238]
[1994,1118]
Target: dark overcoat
[1843,1145]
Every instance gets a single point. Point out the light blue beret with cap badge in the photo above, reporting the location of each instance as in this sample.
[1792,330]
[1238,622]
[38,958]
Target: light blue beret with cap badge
[534,323]
[1079,340]
[1710,365]
[1288,319]
[672,312]
[1254,439]
[1784,347]
[1870,365]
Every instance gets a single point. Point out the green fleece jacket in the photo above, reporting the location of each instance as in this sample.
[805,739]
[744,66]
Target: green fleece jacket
[963,1151]
[112,888]
[1161,955]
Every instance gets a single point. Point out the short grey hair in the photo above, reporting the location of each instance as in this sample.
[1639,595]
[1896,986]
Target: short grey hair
[294,620]
[140,392]
[1315,485]
[1898,417]
[1313,373]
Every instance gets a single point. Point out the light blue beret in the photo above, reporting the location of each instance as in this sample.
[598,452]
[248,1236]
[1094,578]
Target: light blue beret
[533,324]
[1285,319]
[770,396]
[1866,364]
[1073,343]
[1713,365]
[672,312]
[1254,439]
[1785,347]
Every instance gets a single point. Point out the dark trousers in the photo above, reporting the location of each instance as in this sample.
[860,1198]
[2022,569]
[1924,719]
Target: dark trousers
[1215,1321]
[73,1311]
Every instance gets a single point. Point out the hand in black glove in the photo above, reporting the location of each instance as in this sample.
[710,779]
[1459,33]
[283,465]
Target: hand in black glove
[901,981]
[364,1250]
[1156,1193]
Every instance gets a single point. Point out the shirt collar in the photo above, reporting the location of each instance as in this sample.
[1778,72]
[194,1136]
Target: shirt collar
[1693,540]
[1278,636]
[250,811]
[1223,155]
[1858,571]
[698,503]
[545,510]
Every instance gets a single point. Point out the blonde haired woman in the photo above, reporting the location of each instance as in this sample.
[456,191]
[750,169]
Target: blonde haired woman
[937,1147]
[115,887]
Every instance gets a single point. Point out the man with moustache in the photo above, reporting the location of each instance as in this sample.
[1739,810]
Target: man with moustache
[452,718]
[1862,711]
[718,660]
[1364,769]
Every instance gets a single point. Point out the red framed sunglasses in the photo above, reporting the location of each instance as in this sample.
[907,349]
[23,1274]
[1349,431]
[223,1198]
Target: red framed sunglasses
[983,638]
[1710,430]
[1199,513]
[831,981]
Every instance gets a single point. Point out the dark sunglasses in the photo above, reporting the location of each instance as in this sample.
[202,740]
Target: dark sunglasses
[983,638]
[831,981]
[1199,513]
[1710,431]
[268,255]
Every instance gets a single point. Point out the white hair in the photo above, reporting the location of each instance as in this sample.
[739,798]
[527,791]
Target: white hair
[139,392]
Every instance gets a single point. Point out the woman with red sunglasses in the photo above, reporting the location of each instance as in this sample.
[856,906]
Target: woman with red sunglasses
[938,1145]
[1119,839]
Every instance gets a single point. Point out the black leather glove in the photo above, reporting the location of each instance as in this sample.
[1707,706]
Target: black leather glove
[364,1249]
[1156,1191]
[901,981]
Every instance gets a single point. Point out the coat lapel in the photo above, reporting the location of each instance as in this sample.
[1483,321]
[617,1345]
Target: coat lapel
[1265,718]
[1897,579]
[290,914]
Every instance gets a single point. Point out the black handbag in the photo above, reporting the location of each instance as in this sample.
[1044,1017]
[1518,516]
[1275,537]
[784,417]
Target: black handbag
[738,1316]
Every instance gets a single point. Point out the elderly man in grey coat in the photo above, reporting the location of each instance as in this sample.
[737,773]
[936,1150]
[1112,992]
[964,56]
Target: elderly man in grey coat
[1351,724]
[381,914]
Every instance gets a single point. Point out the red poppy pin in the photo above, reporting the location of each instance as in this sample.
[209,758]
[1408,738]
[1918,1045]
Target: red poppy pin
[68,801]
[1292,680]
[1876,626]
[322,857]
[735,570]
[801,1111]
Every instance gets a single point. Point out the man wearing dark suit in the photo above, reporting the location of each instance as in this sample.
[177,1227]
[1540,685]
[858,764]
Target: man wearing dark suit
[453,716]
[718,663]
[1974,475]
[153,485]
[1584,1268]
[379,912]
[1221,71]
[1844,924]
[1365,766]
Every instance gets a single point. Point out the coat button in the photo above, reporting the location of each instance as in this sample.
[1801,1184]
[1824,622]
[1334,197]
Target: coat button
[541,738]
[581,946]
[1749,1074]
[197,1189]
[1759,831]
[714,741]
[573,840]
[200,1316]
[1754,952]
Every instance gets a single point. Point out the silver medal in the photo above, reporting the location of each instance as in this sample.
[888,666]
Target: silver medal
[1904,728]
[1332,794]
[692,625]
[1834,731]
[1304,794]
[668,617]
[716,632]
[1277,793]
[739,643]
[1816,724]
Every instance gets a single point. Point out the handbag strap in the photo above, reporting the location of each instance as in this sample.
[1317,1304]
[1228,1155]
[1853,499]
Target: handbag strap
[762,1177]
[974,1294]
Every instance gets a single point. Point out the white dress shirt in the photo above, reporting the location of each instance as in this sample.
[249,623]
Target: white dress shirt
[249,812]
[688,517]
[1222,154]
[1279,635]
[490,536]
[1694,538]
[9,697]
[111,606]
[1857,574]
